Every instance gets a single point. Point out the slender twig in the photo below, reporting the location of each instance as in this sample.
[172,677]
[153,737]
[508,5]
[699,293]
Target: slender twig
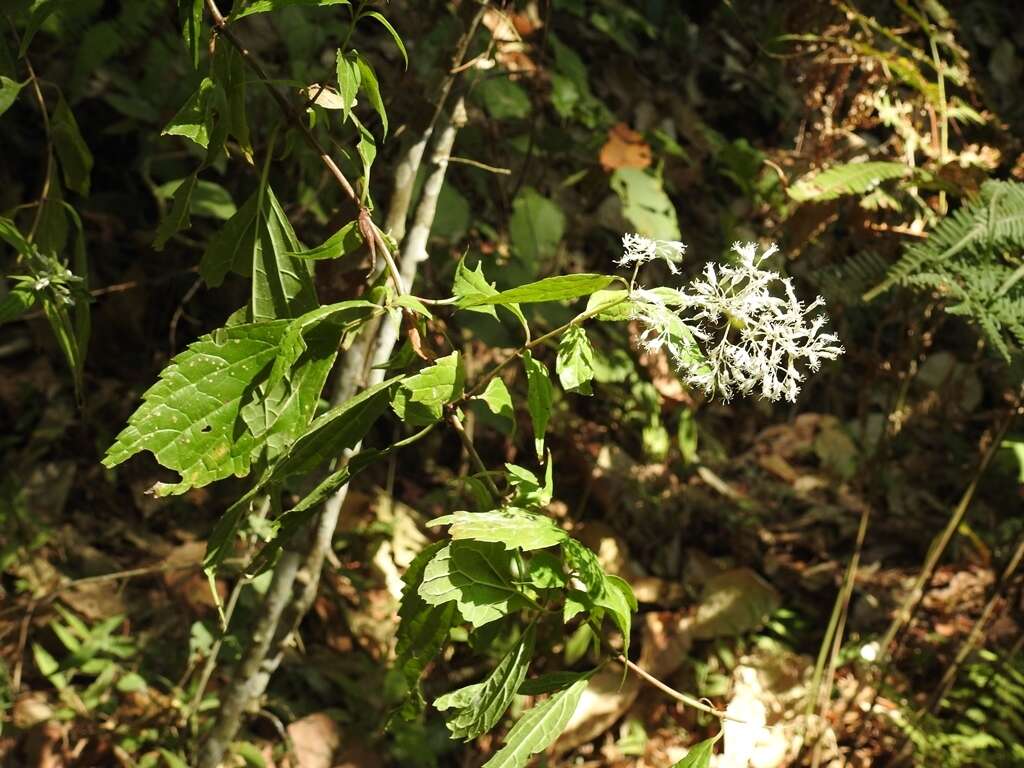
[223,29]
[467,443]
[47,132]
[686,699]
[482,166]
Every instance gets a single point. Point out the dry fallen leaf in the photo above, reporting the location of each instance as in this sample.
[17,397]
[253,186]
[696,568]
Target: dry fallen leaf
[315,738]
[625,148]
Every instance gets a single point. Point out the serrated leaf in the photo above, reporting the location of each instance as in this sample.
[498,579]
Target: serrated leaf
[422,631]
[394,34]
[847,179]
[75,158]
[368,84]
[498,399]
[421,398]
[512,527]
[9,90]
[477,576]
[265,6]
[538,399]
[231,75]
[619,307]
[177,217]
[327,438]
[575,362]
[556,288]
[366,147]
[549,682]
[349,77]
[471,285]
[188,418]
[617,598]
[529,491]
[344,242]
[544,571]
[475,709]
[539,727]
[284,405]
[699,755]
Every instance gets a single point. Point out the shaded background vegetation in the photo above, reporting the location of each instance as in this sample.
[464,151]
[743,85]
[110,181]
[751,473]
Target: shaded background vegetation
[590,119]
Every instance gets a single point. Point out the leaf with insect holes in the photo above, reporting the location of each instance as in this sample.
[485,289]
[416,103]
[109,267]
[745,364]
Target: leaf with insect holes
[475,709]
[512,527]
[477,576]
[538,728]
[188,419]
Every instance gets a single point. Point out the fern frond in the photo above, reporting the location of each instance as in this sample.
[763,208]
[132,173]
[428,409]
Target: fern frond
[973,261]
[848,179]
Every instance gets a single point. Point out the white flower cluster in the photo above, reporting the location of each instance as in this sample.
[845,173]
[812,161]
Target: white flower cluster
[732,330]
[638,250]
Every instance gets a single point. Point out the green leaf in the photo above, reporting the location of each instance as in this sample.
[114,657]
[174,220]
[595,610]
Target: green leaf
[513,527]
[847,179]
[583,563]
[349,76]
[475,709]
[177,218]
[645,204]
[368,84]
[421,398]
[549,682]
[11,235]
[188,419]
[264,6]
[367,149]
[536,228]
[556,288]
[619,307]
[529,491]
[230,74]
[538,399]
[17,302]
[284,405]
[9,90]
[281,286]
[422,631]
[75,158]
[699,755]
[477,576]
[344,242]
[40,12]
[208,198]
[394,35]
[617,598]
[471,286]
[190,14]
[544,571]
[499,400]
[539,727]
[231,249]
[575,362]
[194,119]
[291,521]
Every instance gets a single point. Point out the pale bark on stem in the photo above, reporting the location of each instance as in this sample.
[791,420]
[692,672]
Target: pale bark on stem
[297,574]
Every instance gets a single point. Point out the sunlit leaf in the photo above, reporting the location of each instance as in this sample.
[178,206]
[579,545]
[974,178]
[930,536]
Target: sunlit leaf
[512,527]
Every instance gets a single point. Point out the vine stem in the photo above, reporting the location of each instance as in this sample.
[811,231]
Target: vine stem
[379,243]
[467,442]
[45,193]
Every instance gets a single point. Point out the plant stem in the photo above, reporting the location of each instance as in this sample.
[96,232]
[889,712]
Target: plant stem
[223,29]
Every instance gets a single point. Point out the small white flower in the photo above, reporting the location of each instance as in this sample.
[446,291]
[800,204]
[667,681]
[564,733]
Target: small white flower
[637,250]
[737,329]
